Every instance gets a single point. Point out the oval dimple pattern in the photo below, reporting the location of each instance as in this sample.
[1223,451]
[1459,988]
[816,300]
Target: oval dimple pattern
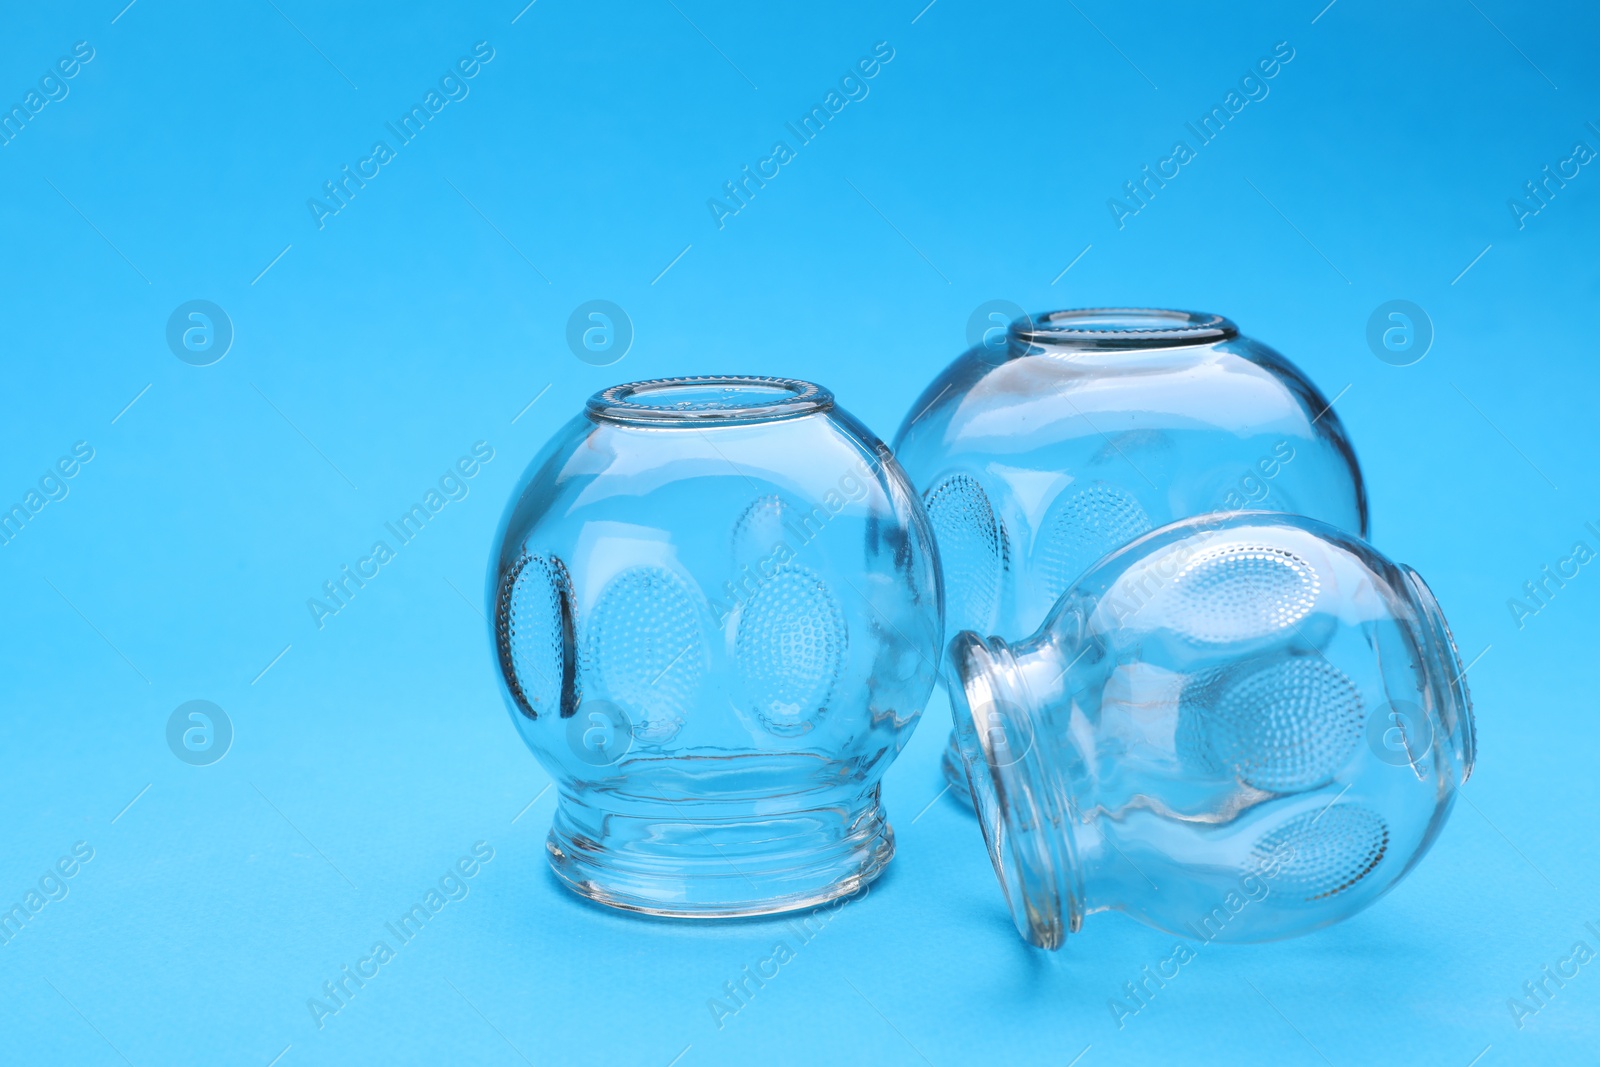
[530,632]
[759,529]
[1082,527]
[1192,739]
[972,552]
[1317,855]
[1286,726]
[645,648]
[790,650]
[1240,592]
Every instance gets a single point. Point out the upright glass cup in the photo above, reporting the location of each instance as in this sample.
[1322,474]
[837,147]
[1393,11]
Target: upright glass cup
[716,615]
[1236,728]
[1074,432]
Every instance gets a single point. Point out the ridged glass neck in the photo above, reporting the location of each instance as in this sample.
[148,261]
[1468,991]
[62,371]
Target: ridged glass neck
[1118,329]
[1450,702]
[1021,799]
[708,399]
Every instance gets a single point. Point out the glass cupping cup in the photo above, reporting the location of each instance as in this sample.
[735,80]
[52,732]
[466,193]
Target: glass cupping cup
[1238,727]
[716,615]
[1071,433]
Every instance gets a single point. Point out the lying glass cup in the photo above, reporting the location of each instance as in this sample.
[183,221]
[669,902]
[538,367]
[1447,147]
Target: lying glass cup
[1236,728]
[1071,433]
[715,611]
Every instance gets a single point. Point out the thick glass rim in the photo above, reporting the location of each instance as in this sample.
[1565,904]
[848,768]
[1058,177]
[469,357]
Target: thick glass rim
[1016,798]
[693,400]
[1451,703]
[1121,328]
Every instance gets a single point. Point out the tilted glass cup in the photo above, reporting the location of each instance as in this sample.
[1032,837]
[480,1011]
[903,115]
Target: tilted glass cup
[1072,433]
[715,610]
[1239,727]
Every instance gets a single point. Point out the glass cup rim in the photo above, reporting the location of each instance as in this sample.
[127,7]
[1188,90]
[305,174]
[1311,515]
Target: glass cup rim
[767,399]
[1450,704]
[1121,328]
[1015,795]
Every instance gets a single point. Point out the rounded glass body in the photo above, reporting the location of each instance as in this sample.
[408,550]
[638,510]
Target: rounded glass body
[1077,431]
[716,613]
[1236,728]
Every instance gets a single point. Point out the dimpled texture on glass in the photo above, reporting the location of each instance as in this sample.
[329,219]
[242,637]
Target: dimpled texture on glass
[1256,712]
[645,648]
[965,527]
[716,611]
[1279,726]
[1240,591]
[530,621]
[1083,526]
[789,648]
[1075,432]
[760,527]
[1329,852]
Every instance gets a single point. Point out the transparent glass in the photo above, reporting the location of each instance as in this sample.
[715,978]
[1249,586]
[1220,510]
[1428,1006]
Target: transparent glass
[1071,433]
[716,616]
[1236,728]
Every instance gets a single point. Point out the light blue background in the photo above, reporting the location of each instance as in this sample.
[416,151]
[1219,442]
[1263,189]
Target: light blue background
[375,351]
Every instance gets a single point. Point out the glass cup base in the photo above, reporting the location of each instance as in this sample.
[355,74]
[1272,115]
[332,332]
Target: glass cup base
[698,860]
